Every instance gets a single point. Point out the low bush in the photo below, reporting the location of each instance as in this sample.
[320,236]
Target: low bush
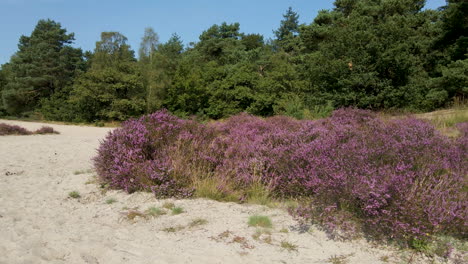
[400,178]
[46,130]
[6,129]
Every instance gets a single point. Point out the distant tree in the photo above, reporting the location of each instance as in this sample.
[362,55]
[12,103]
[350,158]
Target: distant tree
[369,54]
[252,41]
[44,65]
[287,34]
[454,37]
[159,72]
[220,43]
[112,88]
[148,45]
[3,82]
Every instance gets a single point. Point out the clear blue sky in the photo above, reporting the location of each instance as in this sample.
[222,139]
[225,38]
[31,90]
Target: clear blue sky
[88,18]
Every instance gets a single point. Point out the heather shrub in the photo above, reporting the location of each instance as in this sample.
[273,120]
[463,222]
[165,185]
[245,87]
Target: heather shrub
[401,177]
[398,178]
[138,155]
[46,130]
[6,129]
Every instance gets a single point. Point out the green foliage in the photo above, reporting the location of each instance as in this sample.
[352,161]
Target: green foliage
[288,246]
[362,53]
[260,221]
[44,64]
[111,201]
[112,89]
[455,25]
[287,34]
[177,210]
[74,195]
[155,212]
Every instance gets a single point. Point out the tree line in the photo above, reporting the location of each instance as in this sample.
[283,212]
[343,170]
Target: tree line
[372,54]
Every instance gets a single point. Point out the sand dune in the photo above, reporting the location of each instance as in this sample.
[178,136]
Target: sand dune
[39,223]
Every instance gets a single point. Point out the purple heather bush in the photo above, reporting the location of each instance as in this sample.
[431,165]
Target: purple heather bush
[46,130]
[401,178]
[6,129]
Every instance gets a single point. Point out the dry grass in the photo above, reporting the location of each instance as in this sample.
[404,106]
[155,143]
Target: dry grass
[444,120]
[288,246]
[134,214]
[263,235]
[208,187]
[78,172]
[198,222]
[168,205]
[173,229]
[339,259]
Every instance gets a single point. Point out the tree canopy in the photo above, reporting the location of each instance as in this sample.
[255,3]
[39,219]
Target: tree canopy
[373,54]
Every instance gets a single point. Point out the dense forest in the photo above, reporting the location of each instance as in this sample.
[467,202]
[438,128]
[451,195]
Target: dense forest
[371,54]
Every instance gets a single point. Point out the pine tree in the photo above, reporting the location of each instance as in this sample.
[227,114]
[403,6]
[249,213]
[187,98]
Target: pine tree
[44,65]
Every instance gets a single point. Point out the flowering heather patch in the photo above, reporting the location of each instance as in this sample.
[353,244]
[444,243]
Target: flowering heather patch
[400,178]
[6,129]
[46,130]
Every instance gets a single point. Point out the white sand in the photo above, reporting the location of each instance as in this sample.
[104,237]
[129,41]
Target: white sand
[39,223]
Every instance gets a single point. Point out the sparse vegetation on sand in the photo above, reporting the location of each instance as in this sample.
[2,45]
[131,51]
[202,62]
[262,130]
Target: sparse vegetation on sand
[133,214]
[260,221]
[78,172]
[111,201]
[198,222]
[168,205]
[173,229]
[288,246]
[177,210]
[155,212]
[74,194]
[339,259]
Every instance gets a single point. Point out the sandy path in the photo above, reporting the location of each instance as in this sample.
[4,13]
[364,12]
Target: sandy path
[40,224]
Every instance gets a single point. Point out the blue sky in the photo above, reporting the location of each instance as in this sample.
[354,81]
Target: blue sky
[88,18]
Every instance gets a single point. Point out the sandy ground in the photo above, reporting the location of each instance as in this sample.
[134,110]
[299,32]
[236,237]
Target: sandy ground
[39,223]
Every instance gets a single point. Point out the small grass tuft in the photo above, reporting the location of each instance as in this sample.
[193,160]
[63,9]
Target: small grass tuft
[155,212]
[173,229]
[133,214]
[260,221]
[225,234]
[209,188]
[168,205]
[74,195]
[284,230]
[288,246]
[385,258]
[198,222]
[262,235]
[259,194]
[239,239]
[78,172]
[111,201]
[177,210]
[242,241]
[339,259]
